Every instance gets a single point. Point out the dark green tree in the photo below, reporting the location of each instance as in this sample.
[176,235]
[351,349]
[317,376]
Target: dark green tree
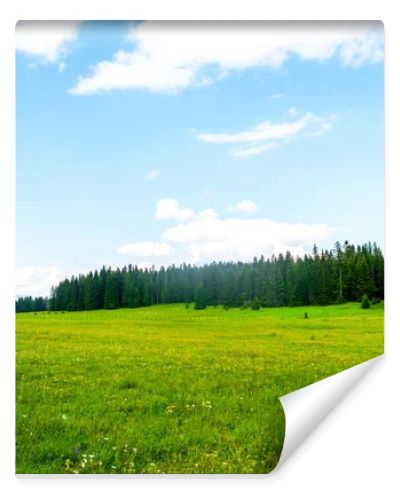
[365,303]
[343,274]
[200,302]
[111,291]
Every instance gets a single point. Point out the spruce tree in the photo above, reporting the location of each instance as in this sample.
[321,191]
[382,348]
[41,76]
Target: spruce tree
[111,291]
[365,303]
[200,302]
[323,277]
[134,298]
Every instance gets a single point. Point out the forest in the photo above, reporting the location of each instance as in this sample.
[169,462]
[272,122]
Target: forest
[345,273]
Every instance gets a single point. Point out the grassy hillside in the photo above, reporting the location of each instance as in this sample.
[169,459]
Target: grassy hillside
[169,389]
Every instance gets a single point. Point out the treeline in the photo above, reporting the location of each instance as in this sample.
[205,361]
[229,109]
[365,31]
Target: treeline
[345,273]
[29,304]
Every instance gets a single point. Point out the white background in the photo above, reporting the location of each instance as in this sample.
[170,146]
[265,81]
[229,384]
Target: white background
[355,452]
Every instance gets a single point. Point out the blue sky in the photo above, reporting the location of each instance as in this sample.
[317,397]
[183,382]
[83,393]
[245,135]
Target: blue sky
[158,143]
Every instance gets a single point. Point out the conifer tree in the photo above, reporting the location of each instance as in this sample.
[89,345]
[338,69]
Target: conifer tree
[111,291]
[365,303]
[324,277]
[134,300]
[200,302]
[255,304]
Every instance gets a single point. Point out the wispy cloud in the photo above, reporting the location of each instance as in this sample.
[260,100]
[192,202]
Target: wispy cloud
[171,57]
[152,174]
[255,150]
[46,41]
[269,135]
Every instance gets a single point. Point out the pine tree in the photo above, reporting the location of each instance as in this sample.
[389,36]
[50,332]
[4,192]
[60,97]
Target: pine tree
[111,292]
[255,304]
[134,300]
[200,302]
[324,277]
[365,303]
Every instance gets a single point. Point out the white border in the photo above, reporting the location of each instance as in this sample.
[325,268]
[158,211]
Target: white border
[354,454]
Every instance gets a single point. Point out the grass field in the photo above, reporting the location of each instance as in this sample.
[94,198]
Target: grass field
[165,389]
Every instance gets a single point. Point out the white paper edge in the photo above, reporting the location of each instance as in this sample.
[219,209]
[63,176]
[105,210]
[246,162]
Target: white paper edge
[306,408]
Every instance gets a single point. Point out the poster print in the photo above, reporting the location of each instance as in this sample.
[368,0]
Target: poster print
[199,232]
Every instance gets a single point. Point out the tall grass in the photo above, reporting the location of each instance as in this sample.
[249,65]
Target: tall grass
[166,389]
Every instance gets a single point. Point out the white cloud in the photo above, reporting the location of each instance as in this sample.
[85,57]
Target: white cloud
[169,208]
[47,41]
[170,57]
[199,241]
[277,96]
[246,206]
[152,174]
[147,265]
[269,135]
[145,249]
[254,150]
[264,131]
[35,281]
[242,239]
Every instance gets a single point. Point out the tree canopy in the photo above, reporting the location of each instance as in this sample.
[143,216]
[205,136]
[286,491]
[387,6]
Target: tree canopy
[346,273]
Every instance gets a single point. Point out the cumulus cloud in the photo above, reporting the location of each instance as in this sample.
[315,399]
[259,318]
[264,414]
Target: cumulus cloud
[147,265]
[35,281]
[203,240]
[145,249]
[169,57]
[170,208]
[152,174]
[246,206]
[242,239]
[269,135]
[47,41]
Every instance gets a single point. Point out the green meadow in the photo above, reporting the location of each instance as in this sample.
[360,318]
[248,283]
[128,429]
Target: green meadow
[165,389]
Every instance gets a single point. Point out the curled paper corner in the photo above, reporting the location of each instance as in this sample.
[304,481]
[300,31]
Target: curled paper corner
[308,407]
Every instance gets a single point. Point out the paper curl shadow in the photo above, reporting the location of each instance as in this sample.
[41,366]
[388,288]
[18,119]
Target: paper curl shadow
[306,408]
